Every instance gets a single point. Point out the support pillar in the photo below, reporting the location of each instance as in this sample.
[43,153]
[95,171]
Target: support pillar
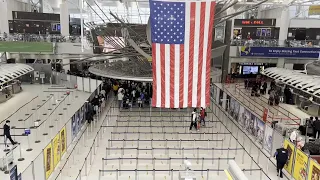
[5,12]
[284,25]
[64,18]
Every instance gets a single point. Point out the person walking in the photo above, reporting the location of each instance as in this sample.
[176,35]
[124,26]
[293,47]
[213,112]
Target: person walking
[202,116]
[193,119]
[316,126]
[6,134]
[281,156]
[120,99]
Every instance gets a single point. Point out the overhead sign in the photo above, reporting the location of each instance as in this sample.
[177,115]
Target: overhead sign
[280,52]
[314,10]
[255,22]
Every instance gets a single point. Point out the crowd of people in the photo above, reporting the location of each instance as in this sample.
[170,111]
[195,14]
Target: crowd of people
[276,93]
[131,93]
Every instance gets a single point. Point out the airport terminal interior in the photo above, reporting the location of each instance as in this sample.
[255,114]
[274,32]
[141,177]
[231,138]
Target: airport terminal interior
[159,89]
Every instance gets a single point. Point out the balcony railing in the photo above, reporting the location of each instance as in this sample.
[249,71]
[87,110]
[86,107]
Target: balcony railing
[41,38]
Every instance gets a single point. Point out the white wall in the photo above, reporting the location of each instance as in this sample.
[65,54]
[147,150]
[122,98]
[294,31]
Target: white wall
[71,48]
[271,14]
[304,23]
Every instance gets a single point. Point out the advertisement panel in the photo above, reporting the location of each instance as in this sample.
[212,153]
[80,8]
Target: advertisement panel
[314,170]
[242,116]
[74,127]
[314,10]
[267,140]
[258,130]
[290,147]
[300,165]
[48,160]
[56,150]
[279,52]
[63,142]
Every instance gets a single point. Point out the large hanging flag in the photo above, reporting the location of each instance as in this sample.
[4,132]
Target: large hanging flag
[181,34]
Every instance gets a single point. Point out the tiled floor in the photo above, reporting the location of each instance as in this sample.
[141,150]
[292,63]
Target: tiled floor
[48,102]
[213,143]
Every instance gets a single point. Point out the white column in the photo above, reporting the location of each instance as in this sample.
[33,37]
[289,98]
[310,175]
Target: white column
[4,11]
[66,67]
[64,18]
[280,63]
[284,25]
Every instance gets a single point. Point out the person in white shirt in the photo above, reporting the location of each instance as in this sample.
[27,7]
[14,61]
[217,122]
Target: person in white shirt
[120,98]
[193,119]
[293,136]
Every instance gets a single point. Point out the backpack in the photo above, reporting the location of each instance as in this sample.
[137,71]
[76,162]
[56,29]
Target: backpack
[205,114]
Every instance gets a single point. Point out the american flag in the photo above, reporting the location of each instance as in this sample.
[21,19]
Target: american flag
[181,34]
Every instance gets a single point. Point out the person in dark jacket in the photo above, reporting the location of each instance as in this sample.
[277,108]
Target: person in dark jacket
[282,156]
[6,133]
[316,126]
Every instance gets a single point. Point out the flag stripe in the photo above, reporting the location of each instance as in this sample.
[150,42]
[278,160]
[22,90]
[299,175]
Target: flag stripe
[212,10]
[205,47]
[172,78]
[186,58]
[191,50]
[201,57]
[181,79]
[167,76]
[195,59]
[158,75]
[177,75]
[163,74]
[154,75]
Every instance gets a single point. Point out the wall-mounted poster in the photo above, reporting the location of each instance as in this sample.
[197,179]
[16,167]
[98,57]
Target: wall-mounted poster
[56,150]
[231,104]
[63,139]
[236,110]
[242,116]
[78,121]
[267,140]
[48,161]
[247,120]
[290,147]
[300,165]
[314,170]
[259,130]
[74,127]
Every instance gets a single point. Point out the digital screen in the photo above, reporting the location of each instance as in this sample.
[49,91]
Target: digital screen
[250,69]
[255,22]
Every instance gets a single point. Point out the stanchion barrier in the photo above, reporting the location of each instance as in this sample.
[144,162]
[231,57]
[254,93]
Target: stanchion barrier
[244,134]
[77,146]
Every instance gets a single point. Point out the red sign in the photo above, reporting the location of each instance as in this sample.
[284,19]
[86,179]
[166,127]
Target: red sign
[248,22]
[265,114]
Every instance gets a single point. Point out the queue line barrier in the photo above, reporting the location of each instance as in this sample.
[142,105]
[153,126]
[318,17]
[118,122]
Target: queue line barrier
[227,121]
